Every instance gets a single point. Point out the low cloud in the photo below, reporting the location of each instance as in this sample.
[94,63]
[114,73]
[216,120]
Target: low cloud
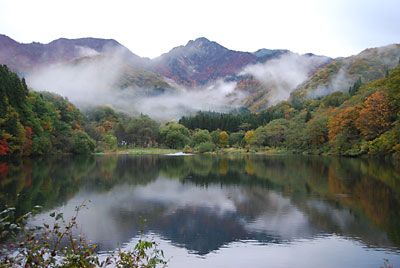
[282,75]
[339,82]
[220,97]
[93,81]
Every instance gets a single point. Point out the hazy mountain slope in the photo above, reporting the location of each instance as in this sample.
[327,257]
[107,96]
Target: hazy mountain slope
[24,58]
[369,65]
[125,75]
[272,81]
[105,79]
[202,61]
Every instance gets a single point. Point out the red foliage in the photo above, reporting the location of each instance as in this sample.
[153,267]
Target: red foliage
[4,148]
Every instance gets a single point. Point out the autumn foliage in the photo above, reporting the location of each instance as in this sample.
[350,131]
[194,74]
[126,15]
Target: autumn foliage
[374,118]
[4,148]
[343,123]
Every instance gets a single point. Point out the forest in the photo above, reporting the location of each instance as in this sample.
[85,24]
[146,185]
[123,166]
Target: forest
[364,120]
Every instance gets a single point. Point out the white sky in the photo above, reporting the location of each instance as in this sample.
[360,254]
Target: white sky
[152,27]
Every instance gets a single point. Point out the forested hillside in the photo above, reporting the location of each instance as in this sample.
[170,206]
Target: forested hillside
[37,123]
[364,121]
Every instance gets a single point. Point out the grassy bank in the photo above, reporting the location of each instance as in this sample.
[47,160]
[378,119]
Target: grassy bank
[142,151]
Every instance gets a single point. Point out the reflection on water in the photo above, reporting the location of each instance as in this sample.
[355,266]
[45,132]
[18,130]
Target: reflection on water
[208,204]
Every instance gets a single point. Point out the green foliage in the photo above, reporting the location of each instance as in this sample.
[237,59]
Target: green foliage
[335,99]
[34,123]
[215,136]
[82,143]
[272,134]
[234,122]
[200,136]
[354,88]
[205,147]
[142,131]
[100,114]
[175,136]
[237,139]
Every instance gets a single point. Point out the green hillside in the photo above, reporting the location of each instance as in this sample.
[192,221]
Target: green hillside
[34,123]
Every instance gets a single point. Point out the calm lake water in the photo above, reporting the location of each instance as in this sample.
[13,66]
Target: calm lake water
[223,211]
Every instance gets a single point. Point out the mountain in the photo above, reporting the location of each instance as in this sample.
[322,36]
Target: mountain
[24,58]
[276,76]
[201,61]
[124,74]
[341,74]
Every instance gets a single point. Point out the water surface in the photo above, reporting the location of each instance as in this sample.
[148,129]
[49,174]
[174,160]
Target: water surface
[223,211]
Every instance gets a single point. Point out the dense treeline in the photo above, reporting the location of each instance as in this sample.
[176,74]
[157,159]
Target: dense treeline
[234,121]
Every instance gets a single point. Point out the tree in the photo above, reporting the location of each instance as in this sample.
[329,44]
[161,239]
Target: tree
[224,139]
[120,133]
[82,143]
[175,136]
[237,138]
[272,134]
[308,116]
[249,137]
[374,118]
[353,89]
[215,136]
[200,136]
[111,141]
[317,131]
[343,122]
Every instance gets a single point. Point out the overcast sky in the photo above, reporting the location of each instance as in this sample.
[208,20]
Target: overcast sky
[149,27]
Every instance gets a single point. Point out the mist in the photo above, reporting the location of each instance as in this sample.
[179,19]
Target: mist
[95,80]
[220,96]
[339,82]
[282,75]
[386,57]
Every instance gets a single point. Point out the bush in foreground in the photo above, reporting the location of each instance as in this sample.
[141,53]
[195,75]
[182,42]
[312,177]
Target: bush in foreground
[56,246]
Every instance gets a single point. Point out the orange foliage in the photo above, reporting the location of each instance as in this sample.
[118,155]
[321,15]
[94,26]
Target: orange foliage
[108,125]
[70,108]
[375,116]
[77,126]
[342,122]
[102,130]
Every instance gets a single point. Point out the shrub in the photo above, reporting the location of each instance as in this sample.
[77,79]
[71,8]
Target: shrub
[55,246]
[205,147]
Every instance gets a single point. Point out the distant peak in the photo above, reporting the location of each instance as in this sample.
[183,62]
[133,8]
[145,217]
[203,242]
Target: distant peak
[201,39]
[203,43]
[268,52]
[5,37]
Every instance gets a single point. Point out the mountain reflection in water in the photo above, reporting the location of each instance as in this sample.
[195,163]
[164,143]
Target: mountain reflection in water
[204,203]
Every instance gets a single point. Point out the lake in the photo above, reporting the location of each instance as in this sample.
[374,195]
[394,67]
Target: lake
[222,211]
